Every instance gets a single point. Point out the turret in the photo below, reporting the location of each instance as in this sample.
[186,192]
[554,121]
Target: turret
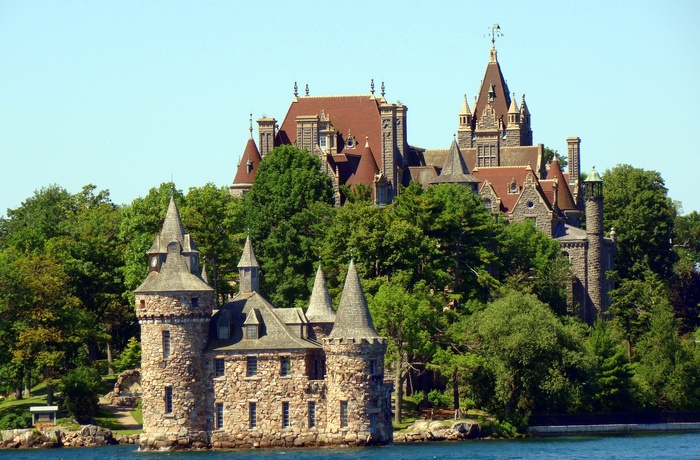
[173,307]
[465,131]
[358,400]
[248,269]
[320,312]
[593,193]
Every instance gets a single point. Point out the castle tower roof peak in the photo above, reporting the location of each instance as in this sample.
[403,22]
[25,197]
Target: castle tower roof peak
[320,308]
[353,320]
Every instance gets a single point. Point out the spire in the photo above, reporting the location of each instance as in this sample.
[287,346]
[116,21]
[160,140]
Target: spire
[455,170]
[494,88]
[513,106]
[172,230]
[523,107]
[320,309]
[495,32]
[465,108]
[353,320]
[248,167]
[248,259]
[248,269]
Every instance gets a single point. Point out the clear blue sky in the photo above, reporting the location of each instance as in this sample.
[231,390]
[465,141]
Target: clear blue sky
[126,95]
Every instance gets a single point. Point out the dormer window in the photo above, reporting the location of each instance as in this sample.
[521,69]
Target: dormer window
[251,332]
[223,329]
[513,188]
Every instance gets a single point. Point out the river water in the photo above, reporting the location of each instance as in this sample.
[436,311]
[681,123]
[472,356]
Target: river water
[661,446]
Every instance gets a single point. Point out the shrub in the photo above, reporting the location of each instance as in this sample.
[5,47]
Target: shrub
[81,388]
[440,399]
[13,421]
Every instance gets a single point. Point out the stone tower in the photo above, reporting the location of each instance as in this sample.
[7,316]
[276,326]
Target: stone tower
[173,307]
[358,401]
[593,192]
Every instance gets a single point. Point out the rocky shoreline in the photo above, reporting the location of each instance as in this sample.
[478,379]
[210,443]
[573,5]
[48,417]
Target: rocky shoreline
[92,436]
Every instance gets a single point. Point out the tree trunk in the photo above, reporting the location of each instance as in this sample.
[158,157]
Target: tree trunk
[110,363]
[398,392]
[455,391]
[27,393]
[49,395]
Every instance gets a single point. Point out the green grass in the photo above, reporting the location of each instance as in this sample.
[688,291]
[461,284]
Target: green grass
[137,414]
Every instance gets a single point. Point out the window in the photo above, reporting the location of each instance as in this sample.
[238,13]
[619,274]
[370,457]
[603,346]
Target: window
[219,416]
[251,331]
[219,367]
[286,366]
[252,366]
[343,414]
[195,302]
[285,414]
[312,414]
[372,367]
[142,303]
[252,415]
[166,344]
[168,400]
[223,330]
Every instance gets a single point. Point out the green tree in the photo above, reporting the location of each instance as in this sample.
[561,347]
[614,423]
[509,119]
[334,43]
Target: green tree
[537,363]
[636,203]
[409,319]
[532,262]
[130,358]
[551,154]
[286,210]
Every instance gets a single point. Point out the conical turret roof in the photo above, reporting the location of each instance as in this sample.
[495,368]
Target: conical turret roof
[320,308]
[455,170]
[465,107]
[366,168]
[353,320]
[172,231]
[248,259]
[248,167]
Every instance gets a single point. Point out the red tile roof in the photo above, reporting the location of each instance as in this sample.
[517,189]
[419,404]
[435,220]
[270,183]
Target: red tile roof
[501,101]
[358,115]
[250,154]
[500,178]
[366,169]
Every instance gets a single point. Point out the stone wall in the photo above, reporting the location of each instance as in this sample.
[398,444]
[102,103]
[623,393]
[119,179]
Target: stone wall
[530,206]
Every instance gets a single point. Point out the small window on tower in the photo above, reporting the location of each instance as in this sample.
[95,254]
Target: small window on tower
[219,367]
[343,414]
[251,331]
[252,415]
[168,400]
[166,344]
[285,414]
[219,416]
[286,366]
[312,414]
[252,366]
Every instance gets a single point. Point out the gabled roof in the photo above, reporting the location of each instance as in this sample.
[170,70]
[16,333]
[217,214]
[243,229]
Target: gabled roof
[274,333]
[353,320]
[357,115]
[248,259]
[499,178]
[248,166]
[320,308]
[454,170]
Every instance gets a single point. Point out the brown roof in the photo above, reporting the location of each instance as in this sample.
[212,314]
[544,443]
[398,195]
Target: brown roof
[252,155]
[366,169]
[500,178]
[565,200]
[454,170]
[501,101]
[358,115]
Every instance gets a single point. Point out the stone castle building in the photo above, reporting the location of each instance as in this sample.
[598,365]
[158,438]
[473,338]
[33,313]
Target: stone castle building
[363,140]
[250,374]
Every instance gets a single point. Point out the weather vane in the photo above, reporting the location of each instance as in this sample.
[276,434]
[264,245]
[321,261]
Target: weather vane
[495,32]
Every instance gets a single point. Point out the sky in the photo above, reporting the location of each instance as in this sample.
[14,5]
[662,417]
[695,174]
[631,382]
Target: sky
[127,95]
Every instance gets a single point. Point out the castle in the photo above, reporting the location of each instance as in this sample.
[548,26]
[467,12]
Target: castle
[363,140]
[250,374]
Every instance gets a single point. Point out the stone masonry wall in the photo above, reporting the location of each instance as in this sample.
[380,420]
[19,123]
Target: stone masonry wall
[183,370]
[268,389]
[531,206]
[349,378]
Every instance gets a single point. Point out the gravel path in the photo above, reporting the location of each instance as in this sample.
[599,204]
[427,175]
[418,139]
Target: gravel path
[123,415]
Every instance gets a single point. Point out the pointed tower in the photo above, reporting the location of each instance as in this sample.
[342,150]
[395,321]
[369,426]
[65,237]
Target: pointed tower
[173,307]
[593,192]
[248,269]
[247,168]
[320,312]
[465,131]
[512,136]
[455,171]
[525,124]
[359,403]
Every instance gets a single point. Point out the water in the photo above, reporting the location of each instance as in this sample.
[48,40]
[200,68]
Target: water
[663,446]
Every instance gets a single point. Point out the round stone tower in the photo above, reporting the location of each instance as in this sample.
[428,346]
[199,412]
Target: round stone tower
[593,193]
[359,402]
[173,307]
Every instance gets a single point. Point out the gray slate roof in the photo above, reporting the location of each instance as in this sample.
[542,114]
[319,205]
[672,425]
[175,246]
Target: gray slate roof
[248,259]
[320,308]
[174,276]
[275,334]
[454,170]
[172,230]
[353,320]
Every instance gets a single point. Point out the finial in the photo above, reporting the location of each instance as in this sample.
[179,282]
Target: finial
[296,90]
[383,90]
[250,121]
[371,86]
[307,89]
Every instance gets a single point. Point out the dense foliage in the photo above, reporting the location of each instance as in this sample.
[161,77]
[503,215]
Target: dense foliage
[476,311]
